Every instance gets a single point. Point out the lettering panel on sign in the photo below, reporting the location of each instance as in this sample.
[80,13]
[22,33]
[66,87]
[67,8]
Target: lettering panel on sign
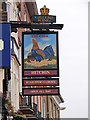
[41,82]
[40,73]
[40,91]
[44,18]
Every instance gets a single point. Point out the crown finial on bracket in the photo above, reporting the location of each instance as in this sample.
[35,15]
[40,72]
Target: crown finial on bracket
[44,10]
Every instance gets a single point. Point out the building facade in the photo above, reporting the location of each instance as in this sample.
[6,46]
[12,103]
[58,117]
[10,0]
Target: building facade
[54,107]
[35,107]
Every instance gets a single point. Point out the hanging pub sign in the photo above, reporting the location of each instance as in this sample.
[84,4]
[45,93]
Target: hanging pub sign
[40,91]
[40,54]
[41,82]
[5,45]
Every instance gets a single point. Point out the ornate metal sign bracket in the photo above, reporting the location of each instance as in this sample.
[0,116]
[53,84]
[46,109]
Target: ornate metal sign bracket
[34,26]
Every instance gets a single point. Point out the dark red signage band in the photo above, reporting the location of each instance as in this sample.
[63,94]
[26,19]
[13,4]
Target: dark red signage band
[40,91]
[40,72]
[47,82]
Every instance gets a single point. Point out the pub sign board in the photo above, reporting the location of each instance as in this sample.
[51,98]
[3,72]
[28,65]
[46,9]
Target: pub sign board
[5,38]
[44,19]
[40,91]
[41,82]
[40,54]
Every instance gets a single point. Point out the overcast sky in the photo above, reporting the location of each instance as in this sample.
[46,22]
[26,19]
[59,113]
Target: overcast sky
[73,42]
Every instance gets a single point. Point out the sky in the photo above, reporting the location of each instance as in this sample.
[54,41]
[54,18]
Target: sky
[73,54]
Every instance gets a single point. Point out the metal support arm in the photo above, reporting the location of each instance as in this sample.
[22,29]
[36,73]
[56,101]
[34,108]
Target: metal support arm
[23,24]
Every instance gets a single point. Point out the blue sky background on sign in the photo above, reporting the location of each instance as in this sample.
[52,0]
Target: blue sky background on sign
[5,53]
[42,41]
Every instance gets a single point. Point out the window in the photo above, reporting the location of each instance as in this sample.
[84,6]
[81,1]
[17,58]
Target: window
[16,85]
[51,107]
[16,95]
[57,114]
[27,100]
[44,109]
[14,12]
[16,49]
[32,101]
[19,11]
[14,46]
[25,14]
[4,6]
[35,99]
[9,89]
[42,105]
[3,16]
[20,70]
[54,111]
[8,11]
[39,102]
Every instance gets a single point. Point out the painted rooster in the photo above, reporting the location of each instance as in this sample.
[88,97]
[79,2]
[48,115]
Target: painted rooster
[39,54]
